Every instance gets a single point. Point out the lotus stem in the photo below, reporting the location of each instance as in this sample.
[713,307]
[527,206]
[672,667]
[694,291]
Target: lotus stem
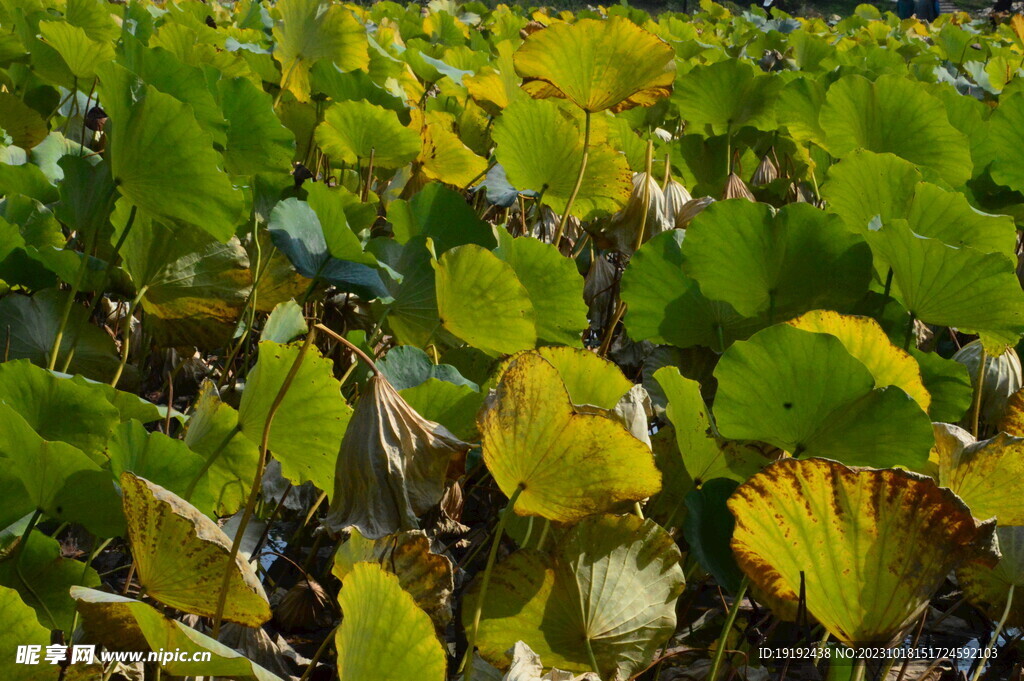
[908,339]
[369,176]
[351,346]
[467,661]
[730,619]
[126,344]
[995,634]
[250,503]
[647,196]
[319,653]
[579,181]
[593,658]
[860,666]
[978,387]
[17,563]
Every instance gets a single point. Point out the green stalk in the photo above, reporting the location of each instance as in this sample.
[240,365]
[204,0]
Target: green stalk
[250,503]
[978,385]
[647,196]
[995,634]
[579,180]
[319,653]
[467,661]
[127,342]
[859,668]
[726,628]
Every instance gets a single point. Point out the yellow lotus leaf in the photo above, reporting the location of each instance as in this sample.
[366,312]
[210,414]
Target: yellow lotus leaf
[595,64]
[568,465]
[871,546]
[589,378]
[443,156]
[989,587]
[180,556]
[864,338]
[987,475]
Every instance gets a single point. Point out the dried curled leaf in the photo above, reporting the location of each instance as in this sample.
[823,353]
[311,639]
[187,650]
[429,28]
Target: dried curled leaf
[392,465]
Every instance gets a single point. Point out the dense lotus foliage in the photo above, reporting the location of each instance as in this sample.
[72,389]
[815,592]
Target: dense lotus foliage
[466,342]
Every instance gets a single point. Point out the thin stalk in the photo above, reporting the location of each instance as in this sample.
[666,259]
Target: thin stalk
[250,503]
[17,562]
[579,181]
[730,619]
[369,177]
[467,661]
[860,666]
[319,653]
[126,344]
[350,345]
[647,196]
[606,343]
[908,339]
[978,385]
[76,286]
[995,634]
[590,655]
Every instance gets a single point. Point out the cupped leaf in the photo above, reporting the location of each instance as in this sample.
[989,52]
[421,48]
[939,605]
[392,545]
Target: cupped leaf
[306,453]
[761,261]
[120,623]
[541,151]
[988,475]
[805,392]
[356,131]
[181,555]
[799,515]
[592,63]
[566,465]
[989,587]
[864,338]
[384,635]
[610,586]
[480,300]
[588,377]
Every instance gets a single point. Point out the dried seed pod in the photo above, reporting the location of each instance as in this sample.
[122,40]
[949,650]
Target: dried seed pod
[691,210]
[599,291]
[766,172]
[676,198]
[736,188]
[392,465]
[96,119]
[1000,379]
[621,231]
[304,607]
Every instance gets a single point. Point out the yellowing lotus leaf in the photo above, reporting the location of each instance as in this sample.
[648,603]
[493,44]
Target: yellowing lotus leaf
[180,556]
[864,338]
[355,131]
[568,465]
[987,475]
[989,587]
[392,465]
[588,377]
[595,64]
[383,635]
[610,585]
[870,545]
[443,155]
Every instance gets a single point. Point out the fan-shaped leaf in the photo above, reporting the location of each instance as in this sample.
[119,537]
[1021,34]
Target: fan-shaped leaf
[355,131]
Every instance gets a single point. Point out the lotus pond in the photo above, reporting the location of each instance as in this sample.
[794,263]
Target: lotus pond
[394,343]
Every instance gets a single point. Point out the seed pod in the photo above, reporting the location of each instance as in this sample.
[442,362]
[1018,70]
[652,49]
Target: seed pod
[691,210]
[1001,378]
[620,231]
[766,173]
[599,291]
[736,188]
[676,198]
[304,607]
[392,465]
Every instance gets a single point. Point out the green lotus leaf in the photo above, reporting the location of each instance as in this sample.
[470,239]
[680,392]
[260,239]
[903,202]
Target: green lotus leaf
[56,478]
[701,454]
[805,393]
[949,384]
[863,524]
[23,125]
[480,300]
[229,455]
[666,306]
[357,131]
[726,96]
[384,635]
[193,287]
[20,628]
[426,576]
[181,555]
[120,623]
[406,366]
[155,137]
[334,208]
[285,323]
[987,475]
[947,286]
[588,378]
[866,185]
[33,324]
[257,141]
[989,587]
[554,285]
[610,586]
[898,116]
[310,30]
[454,406]
[757,261]
[305,453]
[441,214]
[81,53]
[412,315]
[129,405]
[566,465]
[1005,135]
[541,150]
[708,530]
[58,409]
[443,155]
[47,576]
[592,64]
[864,338]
